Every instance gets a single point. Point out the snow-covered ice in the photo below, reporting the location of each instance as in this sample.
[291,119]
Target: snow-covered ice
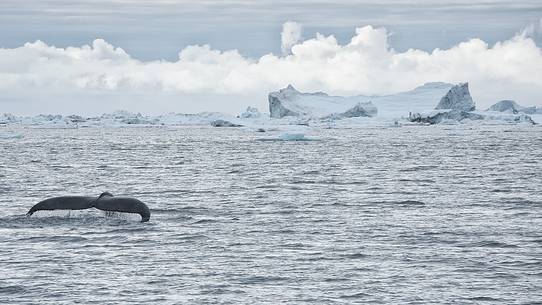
[513,107]
[290,102]
[431,103]
[457,98]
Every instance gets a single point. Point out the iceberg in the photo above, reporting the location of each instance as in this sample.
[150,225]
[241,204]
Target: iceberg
[224,123]
[293,137]
[457,98]
[117,118]
[8,118]
[513,107]
[196,119]
[362,109]
[290,107]
[290,102]
[439,116]
[457,106]
[11,136]
[128,118]
[288,136]
[251,113]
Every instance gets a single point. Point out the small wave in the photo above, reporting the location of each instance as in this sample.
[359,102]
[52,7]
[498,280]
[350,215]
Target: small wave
[303,182]
[355,255]
[409,202]
[489,244]
[501,191]
[130,229]
[63,238]
[521,203]
[483,298]
[417,180]
[269,186]
[257,279]
[190,237]
[402,203]
[205,221]
[418,168]
[355,296]
[13,289]
[165,210]
[344,182]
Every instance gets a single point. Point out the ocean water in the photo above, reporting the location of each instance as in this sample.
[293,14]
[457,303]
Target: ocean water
[410,215]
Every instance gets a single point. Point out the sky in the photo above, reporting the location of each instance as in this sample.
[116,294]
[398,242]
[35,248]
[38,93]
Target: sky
[95,56]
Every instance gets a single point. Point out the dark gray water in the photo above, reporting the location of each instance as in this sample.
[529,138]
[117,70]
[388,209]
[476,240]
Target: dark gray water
[411,215]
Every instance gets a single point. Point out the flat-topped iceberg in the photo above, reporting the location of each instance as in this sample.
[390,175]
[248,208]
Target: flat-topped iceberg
[290,102]
[117,118]
[224,123]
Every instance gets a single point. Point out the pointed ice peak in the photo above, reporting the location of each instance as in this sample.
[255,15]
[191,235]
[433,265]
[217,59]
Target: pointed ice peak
[457,98]
[290,88]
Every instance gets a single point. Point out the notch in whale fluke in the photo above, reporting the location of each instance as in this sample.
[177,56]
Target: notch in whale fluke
[105,202]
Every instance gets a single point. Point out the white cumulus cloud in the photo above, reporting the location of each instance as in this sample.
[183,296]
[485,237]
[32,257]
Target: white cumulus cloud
[364,65]
[291,34]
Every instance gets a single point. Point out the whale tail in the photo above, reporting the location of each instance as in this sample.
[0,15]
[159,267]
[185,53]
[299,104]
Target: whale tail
[105,202]
[62,203]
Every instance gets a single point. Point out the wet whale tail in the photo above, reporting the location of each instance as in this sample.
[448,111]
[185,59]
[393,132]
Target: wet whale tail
[105,202]
[109,203]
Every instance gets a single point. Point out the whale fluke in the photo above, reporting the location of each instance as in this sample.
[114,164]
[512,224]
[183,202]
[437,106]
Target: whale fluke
[123,204]
[63,203]
[105,202]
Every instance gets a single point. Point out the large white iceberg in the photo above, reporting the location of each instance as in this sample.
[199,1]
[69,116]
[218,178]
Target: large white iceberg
[457,98]
[290,102]
[457,106]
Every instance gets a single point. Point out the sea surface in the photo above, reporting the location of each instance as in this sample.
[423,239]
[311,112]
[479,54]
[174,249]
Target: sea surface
[408,215]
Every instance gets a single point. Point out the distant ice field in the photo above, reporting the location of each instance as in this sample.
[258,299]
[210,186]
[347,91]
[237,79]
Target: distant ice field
[445,214]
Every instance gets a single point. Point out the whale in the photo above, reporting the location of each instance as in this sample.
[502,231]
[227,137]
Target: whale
[105,202]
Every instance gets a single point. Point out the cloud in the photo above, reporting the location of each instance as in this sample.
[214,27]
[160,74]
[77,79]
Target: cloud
[533,30]
[365,65]
[291,34]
